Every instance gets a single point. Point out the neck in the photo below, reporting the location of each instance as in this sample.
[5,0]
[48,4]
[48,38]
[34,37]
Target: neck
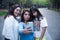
[26,22]
[35,16]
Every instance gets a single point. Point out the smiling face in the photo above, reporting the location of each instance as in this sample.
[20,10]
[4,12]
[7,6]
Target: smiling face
[26,16]
[17,11]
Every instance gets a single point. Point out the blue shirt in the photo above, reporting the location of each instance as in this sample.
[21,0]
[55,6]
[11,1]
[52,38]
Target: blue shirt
[23,36]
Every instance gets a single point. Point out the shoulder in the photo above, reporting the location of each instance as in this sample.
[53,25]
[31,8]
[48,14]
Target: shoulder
[9,18]
[21,24]
[44,19]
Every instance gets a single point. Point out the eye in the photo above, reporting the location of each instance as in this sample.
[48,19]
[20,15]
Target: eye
[17,10]
[26,14]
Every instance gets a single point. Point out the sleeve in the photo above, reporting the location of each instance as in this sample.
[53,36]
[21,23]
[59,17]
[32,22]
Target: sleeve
[4,29]
[8,24]
[20,28]
[44,22]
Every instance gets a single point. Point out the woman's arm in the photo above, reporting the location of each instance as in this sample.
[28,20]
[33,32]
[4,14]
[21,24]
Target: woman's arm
[43,32]
[8,25]
[20,28]
[43,26]
[23,31]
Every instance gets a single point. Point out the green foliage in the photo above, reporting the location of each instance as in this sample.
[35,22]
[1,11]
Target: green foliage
[41,2]
[3,13]
[26,2]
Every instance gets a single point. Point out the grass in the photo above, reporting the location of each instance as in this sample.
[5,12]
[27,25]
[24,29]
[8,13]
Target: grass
[2,13]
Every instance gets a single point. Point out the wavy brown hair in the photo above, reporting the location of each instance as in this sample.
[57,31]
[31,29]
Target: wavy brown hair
[11,10]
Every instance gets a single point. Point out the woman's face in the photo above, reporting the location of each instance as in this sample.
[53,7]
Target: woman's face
[35,13]
[26,16]
[17,11]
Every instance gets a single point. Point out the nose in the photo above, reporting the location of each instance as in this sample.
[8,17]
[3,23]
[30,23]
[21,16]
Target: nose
[18,12]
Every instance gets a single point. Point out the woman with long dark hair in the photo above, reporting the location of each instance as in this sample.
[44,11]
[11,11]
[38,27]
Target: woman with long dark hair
[40,23]
[10,29]
[25,30]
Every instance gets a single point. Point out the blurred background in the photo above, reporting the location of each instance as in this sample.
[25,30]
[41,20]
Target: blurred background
[49,8]
[5,4]
[50,4]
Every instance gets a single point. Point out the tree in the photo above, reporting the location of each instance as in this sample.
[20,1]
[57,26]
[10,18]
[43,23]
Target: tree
[55,4]
[1,3]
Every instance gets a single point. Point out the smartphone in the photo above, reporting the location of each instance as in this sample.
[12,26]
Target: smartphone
[30,24]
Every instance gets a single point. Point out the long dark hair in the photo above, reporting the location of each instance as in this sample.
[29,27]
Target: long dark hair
[22,16]
[35,9]
[11,10]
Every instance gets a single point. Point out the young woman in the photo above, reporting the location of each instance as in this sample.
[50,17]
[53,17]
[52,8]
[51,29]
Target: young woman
[10,29]
[25,31]
[40,23]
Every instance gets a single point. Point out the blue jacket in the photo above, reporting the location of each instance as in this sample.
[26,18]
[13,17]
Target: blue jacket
[25,36]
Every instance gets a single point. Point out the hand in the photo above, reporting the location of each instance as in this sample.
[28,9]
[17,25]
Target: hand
[37,23]
[26,31]
[28,27]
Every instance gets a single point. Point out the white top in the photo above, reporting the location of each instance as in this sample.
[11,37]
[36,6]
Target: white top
[43,23]
[10,29]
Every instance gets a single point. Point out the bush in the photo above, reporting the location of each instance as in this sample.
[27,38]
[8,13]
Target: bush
[3,13]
